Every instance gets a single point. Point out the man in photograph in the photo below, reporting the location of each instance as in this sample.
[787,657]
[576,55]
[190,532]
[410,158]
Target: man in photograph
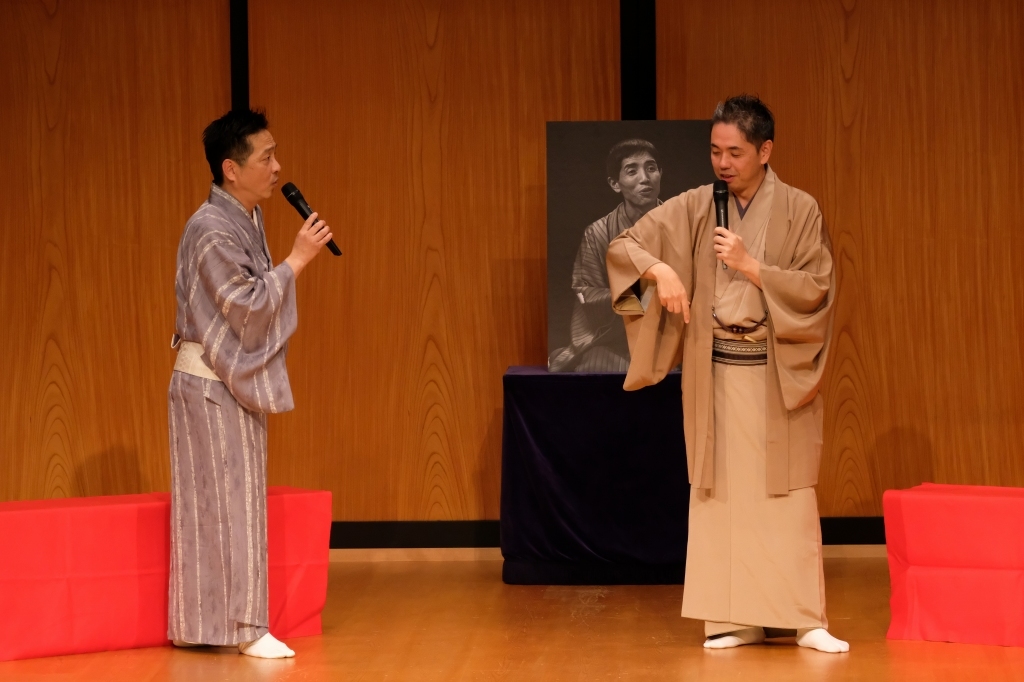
[748,310]
[597,340]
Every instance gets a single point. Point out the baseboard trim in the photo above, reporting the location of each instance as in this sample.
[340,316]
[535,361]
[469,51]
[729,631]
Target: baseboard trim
[852,530]
[494,553]
[416,554]
[835,530]
[414,534]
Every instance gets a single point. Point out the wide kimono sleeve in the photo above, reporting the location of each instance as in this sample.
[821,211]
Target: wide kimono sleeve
[664,235]
[799,299]
[254,316]
[589,277]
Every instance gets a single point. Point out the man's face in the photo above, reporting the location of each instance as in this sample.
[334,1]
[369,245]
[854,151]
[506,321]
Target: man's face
[639,180]
[257,177]
[736,160]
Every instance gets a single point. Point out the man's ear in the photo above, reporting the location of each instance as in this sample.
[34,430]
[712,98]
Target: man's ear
[614,184]
[766,151]
[230,170]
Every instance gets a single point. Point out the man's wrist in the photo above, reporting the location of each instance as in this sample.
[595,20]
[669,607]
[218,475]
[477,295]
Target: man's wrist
[752,269]
[651,273]
[295,264]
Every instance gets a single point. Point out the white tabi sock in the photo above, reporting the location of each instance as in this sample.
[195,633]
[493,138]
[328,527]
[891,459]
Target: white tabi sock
[266,646]
[736,638]
[182,644]
[818,638]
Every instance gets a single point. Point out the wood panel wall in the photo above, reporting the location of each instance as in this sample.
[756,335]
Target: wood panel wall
[418,130]
[102,106]
[903,119]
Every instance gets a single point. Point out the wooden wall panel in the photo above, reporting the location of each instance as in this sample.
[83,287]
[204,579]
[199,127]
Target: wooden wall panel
[102,106]
[418,130]
[903,119]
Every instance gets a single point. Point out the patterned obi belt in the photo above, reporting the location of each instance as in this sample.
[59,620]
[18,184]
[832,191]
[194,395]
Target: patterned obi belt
[739,352]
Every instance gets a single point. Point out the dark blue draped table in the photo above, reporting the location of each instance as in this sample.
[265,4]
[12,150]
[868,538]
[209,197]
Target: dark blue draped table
[593,480]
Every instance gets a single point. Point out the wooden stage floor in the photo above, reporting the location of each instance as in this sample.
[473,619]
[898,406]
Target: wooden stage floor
[457,621]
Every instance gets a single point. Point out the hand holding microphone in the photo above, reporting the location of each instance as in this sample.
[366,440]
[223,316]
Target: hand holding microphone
[720,191]
[312,237]
[729,246]
[295,198]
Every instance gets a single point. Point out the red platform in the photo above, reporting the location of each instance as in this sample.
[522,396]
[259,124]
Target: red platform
[90,574]
[956,561]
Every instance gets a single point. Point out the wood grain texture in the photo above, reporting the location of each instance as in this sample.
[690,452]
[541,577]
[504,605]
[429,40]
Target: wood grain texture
[457,622]
[418,130]
[103,106]
[903,119]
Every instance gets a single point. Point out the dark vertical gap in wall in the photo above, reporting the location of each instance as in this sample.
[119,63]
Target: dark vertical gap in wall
[239,21]
[638,59]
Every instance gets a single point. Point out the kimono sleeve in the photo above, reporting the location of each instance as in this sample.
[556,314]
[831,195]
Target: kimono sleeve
[589,277]
[251,303]
[663,235]
[254,316]
[799,300]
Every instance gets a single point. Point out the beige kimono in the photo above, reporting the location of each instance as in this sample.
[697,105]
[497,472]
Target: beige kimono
[753,430]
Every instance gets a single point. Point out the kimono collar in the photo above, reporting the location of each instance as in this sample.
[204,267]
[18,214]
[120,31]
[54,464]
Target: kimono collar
[769,175]
[223,196]
[778,227]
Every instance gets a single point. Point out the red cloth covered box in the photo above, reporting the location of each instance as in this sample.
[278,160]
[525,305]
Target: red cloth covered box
[956,562]
[90,574]
[299,552]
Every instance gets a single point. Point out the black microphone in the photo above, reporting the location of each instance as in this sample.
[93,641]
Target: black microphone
[721,193]
[295,198]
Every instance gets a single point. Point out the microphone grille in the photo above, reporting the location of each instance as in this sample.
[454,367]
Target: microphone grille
[289,189]
[721,187]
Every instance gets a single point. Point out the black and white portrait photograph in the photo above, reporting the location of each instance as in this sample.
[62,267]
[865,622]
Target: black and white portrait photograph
[603,176]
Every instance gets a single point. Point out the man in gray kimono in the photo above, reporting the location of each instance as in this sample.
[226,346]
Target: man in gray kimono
[597,339]
[235,314]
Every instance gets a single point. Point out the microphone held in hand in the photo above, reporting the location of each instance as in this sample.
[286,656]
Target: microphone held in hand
[721,194]
[295,198]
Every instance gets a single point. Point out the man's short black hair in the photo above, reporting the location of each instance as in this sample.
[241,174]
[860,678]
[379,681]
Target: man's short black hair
[748,113]
[228,138]
[625,149]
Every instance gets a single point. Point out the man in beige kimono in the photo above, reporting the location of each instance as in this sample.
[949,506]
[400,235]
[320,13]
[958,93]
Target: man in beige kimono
[235,314]
[748,312]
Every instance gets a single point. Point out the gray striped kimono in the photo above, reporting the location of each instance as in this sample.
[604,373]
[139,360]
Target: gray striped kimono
[597,338]
[241,309]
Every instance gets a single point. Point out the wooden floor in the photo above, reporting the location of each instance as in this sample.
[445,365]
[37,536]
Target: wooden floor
[457,621]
